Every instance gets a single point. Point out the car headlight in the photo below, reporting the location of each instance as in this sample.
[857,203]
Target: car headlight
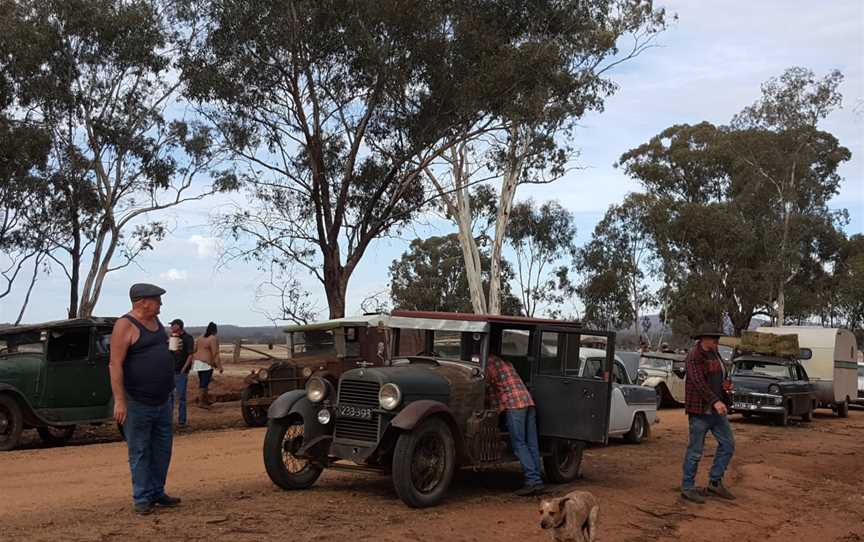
[641,376]
[263,374]
[307,372]
[316,390]
[774,389]
[390,396]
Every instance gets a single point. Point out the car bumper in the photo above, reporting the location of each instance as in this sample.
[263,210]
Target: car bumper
[757,409]
[757,403]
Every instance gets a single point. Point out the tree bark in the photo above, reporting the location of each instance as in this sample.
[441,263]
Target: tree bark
[508,193]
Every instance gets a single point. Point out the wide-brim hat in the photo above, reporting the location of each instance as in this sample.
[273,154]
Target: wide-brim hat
[707,330]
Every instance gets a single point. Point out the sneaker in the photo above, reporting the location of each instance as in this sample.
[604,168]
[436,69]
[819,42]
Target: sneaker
[528,490]
[693,495]
[167,501]
[717,488]
[143,508]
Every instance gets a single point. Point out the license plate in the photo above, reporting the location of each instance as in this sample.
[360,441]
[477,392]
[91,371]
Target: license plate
[348,411]
[744,406]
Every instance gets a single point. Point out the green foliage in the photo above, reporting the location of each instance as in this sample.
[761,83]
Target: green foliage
[430,276]
[541,236]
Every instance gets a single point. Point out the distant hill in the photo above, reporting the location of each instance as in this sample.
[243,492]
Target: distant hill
[253,334]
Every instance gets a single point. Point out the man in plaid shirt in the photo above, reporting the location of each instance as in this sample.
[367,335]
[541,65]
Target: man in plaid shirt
[704,398]
[507,393]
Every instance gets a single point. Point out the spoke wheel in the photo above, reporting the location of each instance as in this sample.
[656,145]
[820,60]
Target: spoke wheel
[254,416]
[283,440]
[424,461]
[11,423]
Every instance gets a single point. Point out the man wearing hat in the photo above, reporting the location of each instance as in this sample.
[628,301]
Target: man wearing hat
[182,346]
[704,397]
[142,379]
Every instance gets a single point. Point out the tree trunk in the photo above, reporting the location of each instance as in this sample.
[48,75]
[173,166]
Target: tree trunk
[470,252]
[508,193]
[75,274]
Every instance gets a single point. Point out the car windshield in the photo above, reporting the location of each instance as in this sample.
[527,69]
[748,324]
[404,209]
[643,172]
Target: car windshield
[761,368]
[24,343]
[314,343]
[656,363]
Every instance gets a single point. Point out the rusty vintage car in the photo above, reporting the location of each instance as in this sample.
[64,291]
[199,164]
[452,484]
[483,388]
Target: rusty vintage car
[423,414]
[325,349]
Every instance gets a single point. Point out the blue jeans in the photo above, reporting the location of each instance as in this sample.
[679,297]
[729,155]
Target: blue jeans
[522,424]
[149,437]
[719,426]
[181,382]
[204,378]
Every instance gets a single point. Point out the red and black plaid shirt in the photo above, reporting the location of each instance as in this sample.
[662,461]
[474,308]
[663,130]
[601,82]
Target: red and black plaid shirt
[504,388]
[702,368]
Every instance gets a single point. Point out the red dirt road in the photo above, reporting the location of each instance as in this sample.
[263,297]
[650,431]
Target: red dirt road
[804,482]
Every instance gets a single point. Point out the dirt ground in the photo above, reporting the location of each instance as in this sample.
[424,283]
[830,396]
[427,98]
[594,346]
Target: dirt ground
[800,483]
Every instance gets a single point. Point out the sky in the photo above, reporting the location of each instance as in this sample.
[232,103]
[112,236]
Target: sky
[707,66]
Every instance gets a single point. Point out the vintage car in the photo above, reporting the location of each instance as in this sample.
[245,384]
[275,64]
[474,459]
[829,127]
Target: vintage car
[633,408]
[423,414]
[326,349]
[665,373]
[54,376]
[771,386]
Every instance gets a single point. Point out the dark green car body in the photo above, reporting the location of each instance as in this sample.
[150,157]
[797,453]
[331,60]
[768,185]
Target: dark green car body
[54,376]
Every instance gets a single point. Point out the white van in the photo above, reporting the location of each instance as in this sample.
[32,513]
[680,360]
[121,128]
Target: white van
[828,356]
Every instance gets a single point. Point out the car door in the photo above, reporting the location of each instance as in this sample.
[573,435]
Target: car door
[76,370]
[570,405]
[802,389]
[620,413]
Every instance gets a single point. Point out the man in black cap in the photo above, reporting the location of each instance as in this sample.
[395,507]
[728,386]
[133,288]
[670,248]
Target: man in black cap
[142,379]
[705,403]
[182,346]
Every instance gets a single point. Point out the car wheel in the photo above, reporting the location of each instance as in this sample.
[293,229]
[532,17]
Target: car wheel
[639,430]
[424,461]
[565,462]
[11,423]
[843,409]
[283,440]
[747,415]
[783,419]
[253,416]
[661,395]
[55,436]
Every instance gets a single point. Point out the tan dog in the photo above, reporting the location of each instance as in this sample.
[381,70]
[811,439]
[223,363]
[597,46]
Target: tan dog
[571,518]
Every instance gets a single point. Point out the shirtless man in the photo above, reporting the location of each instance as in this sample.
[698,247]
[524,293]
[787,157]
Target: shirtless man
[142,379]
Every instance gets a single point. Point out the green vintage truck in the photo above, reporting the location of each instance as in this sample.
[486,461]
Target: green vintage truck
[53,377]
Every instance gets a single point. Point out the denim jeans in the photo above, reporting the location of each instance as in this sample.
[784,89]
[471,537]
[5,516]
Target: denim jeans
[522,424]
[181,382]
[204,378]
[149,437]
[719,426]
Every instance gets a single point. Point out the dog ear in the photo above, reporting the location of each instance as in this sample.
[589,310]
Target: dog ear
[561,502]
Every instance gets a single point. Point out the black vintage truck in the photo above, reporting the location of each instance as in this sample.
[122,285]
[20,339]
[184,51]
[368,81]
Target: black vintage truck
[771,386]
[423,414]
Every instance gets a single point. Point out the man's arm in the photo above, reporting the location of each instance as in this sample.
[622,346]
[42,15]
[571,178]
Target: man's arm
[696,379]
[188,346]
[217,359]
[120,340]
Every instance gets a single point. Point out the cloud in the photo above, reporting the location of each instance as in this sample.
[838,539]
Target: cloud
[207,247]
[174,274]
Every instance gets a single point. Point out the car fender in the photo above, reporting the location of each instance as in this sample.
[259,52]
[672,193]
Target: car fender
[654,381]
[417,411]
[30,416]
[288,403]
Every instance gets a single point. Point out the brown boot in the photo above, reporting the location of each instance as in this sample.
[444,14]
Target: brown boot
[205,399]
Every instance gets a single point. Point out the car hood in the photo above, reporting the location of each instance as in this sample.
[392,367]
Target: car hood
[650,371]
[414,380]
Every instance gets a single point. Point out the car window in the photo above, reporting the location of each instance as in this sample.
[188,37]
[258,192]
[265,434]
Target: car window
[861,372]
[656,363]
[514,342]
[24,343]
[69,345]
[761,368]
[313,343]
[594,368]
[447,344]
[802,374]
[619,375]
[559,354]
[103,343]
[805,353]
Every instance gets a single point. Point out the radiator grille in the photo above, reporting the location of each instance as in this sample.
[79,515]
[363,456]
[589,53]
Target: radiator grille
[359,393]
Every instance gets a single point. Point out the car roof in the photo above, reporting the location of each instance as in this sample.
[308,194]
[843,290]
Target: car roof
[6,331]
[664,355]
[491,318]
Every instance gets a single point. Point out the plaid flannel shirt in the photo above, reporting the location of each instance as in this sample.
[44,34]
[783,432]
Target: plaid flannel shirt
[699,398]
[504,388]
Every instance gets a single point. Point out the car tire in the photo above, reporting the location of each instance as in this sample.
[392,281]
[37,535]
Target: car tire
[424,461]
[660,395]
[564,464]
[843,409]
[283,439]
[783,419]
[747,415]
[11,423]
[253,416]
[639,430]
[54,435]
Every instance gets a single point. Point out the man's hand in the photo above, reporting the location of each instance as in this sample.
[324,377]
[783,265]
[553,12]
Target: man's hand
[120,412]
[720,407]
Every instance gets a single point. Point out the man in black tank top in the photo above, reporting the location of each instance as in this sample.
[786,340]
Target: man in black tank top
[142,379]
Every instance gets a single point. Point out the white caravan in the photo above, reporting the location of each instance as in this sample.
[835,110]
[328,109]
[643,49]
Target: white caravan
[828,355]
